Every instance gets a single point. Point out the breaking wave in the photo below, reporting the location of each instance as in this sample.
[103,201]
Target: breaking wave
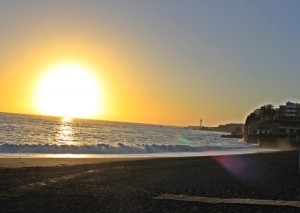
[107,149]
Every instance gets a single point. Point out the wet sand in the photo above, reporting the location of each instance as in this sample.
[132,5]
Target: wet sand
[101,185]
[50,162]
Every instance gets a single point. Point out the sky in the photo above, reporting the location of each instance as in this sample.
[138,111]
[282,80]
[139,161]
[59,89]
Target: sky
[165,62]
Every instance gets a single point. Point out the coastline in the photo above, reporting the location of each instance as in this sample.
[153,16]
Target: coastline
[19,160]
[134,185]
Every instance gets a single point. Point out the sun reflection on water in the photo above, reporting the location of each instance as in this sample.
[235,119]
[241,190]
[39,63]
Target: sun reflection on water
[65,133]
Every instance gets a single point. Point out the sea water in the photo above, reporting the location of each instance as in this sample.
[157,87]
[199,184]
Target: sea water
[31,134]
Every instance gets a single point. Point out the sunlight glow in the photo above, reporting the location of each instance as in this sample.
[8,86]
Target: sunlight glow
[69,90]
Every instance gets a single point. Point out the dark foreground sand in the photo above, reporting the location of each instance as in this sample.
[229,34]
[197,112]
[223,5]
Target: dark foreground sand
[131,186]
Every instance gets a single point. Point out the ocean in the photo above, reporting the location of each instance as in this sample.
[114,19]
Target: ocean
[32,135]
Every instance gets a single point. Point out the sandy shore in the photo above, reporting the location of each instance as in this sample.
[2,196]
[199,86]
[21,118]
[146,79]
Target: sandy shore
[50,162]
[119,185]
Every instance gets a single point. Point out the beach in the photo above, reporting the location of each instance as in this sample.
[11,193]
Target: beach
[263,182]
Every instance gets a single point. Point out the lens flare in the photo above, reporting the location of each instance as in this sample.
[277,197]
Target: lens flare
[233,164]
[178,137]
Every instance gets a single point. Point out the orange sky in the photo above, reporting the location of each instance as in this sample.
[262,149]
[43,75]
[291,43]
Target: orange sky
[154,62]
[128,95]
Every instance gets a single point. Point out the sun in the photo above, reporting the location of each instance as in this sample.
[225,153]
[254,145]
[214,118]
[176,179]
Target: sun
[69,90]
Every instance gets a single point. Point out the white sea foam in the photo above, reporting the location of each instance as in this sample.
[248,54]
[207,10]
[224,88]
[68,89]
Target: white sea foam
[107,149]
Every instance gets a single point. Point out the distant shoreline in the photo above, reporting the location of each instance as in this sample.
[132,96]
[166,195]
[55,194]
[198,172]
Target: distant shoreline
[227,128]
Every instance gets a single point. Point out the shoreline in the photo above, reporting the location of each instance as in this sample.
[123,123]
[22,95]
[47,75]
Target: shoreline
[20,160]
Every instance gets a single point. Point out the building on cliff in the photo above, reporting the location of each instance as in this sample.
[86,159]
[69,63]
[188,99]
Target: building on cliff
[269,126]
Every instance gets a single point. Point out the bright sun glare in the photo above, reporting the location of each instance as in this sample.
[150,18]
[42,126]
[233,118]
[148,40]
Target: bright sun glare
[69,90]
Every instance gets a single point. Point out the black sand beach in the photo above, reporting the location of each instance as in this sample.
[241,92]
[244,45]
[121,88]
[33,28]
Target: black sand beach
[135,185]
